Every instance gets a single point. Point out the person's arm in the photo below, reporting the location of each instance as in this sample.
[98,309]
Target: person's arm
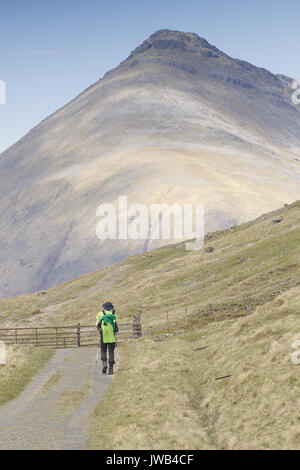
[98,323]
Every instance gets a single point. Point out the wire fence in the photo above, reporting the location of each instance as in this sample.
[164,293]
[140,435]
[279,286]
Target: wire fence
[238,307]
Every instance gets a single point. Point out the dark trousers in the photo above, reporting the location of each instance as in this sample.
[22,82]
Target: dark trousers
[111,352]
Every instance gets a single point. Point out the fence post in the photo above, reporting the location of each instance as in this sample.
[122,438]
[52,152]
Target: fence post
[16,336]
[168,322]
[78,335]
[246,304]
[212,311]
[36,337]
[56,330]
[137,326]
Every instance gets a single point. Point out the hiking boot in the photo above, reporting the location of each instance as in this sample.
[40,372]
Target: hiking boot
[111,370]
[104,369]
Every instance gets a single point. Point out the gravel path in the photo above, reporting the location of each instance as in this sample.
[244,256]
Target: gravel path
[53,411]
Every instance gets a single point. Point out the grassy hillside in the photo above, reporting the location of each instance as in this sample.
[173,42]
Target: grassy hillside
[259,260]
[22,363]
[242,301]
[165,395]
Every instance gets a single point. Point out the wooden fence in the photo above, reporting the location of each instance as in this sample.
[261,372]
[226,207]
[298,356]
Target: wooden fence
[67,336]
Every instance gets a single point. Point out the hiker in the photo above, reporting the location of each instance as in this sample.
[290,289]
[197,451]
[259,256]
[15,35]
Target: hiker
[108,327]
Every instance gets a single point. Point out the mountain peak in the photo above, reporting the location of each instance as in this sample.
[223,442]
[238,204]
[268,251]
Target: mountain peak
[166,39]
[173,48]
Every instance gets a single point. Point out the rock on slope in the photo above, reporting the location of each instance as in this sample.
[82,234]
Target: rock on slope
[177,121]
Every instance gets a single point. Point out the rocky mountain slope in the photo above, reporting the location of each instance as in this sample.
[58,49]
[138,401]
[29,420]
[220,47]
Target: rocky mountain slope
[177,121]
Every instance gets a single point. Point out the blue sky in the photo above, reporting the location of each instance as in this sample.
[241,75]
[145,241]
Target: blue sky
[50,51]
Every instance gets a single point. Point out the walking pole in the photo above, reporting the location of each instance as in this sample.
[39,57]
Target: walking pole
[117,353]
[98,348]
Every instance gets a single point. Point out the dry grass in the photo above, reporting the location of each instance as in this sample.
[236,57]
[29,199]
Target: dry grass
[51,382]
[148,406]
[72,399]
[258,406]
[165,395]
[22,363]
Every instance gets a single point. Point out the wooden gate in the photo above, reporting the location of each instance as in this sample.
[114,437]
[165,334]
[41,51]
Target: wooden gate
[66,336]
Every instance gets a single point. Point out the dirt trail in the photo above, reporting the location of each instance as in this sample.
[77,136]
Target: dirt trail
[53,411]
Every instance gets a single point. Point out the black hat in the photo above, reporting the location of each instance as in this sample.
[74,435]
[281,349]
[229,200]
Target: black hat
[108,306]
